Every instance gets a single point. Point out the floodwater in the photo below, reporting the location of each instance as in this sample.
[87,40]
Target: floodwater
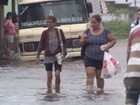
[25,84]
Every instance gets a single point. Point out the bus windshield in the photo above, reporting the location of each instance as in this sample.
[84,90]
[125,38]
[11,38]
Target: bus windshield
[66,12]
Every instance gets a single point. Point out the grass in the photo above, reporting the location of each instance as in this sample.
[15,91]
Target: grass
[120,29]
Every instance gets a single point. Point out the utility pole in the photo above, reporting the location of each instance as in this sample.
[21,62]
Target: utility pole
[13,6]
[135,3]
[1,24]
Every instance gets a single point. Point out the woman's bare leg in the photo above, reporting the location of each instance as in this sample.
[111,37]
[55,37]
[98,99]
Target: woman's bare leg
[90,71]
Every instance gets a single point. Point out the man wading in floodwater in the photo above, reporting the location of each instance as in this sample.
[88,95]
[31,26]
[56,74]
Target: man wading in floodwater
[132,75]
[51,41]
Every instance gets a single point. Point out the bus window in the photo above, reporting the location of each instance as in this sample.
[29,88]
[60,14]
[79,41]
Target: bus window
[66,12]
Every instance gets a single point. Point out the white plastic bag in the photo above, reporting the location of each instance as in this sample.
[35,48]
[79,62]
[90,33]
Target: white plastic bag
[59,58]
[111,66]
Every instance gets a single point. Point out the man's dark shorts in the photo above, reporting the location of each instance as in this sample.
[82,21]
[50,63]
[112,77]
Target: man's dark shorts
[49,66]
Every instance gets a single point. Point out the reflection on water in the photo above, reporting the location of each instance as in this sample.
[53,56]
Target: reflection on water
[54,97]
[51,97]
[7,63]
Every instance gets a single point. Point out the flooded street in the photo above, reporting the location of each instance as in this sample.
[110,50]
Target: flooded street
[25,84]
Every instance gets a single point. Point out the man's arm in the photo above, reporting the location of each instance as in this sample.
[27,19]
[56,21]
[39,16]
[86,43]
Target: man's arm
[128,54]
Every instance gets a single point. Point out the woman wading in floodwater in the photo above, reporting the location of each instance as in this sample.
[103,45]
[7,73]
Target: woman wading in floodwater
[93,39]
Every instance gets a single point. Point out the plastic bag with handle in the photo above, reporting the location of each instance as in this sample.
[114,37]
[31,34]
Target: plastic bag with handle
[111,66]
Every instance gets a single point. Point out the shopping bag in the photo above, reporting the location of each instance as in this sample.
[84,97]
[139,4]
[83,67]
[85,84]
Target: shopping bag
[111,66]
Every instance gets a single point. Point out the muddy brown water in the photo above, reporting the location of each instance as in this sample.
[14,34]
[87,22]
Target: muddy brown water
[25,84]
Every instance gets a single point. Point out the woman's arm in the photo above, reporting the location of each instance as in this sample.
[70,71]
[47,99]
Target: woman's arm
[83,39]
[112,41]
[6,25]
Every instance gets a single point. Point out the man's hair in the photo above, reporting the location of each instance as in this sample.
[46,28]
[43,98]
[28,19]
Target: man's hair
[53,18]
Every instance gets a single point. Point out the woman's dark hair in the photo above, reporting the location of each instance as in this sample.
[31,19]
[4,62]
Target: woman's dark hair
[8,15]
[97,17]
[53,18]
[14,17]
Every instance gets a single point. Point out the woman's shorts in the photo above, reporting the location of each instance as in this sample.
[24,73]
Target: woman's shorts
[93,63]
[9,38]
[49,66]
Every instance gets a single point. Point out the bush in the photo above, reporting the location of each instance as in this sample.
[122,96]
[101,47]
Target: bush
[120,29]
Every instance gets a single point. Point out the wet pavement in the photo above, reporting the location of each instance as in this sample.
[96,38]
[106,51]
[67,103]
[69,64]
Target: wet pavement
[25,84]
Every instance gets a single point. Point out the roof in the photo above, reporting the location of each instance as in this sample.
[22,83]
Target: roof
[33,1]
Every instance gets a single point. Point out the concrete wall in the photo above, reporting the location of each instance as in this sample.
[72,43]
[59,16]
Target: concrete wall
[115,17]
